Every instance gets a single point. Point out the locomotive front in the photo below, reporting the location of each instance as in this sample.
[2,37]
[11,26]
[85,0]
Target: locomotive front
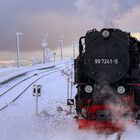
[106,59]
[103,69]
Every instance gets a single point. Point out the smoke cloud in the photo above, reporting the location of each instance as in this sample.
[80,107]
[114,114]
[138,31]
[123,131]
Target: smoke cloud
[107,11]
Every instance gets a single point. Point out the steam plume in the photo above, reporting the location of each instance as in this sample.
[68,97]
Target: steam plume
[107,11]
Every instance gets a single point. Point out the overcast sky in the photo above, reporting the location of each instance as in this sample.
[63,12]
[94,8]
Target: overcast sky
[71,18]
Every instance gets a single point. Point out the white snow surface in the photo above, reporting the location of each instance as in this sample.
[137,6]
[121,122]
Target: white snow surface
[19,122]
[7,73]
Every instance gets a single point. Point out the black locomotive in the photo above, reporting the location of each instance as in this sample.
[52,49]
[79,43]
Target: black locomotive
[107,72]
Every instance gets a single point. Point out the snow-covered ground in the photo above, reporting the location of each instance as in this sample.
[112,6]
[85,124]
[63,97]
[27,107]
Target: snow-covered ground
[7,73]
[19,122]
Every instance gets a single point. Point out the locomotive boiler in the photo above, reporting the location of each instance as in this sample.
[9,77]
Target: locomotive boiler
[107,75]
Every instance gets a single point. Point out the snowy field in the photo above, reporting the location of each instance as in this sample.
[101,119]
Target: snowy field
[19,122]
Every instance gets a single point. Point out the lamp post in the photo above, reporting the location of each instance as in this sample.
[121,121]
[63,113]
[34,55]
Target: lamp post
[44,46]
[61,46]
[54,54]
[17,42]
[73,48]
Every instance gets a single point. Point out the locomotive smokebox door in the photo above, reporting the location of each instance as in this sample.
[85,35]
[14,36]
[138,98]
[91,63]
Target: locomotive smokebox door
[70,102]
[102,60]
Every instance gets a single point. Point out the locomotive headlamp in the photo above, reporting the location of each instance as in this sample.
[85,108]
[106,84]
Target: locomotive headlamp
[121,89]
[88,89]
[105,33]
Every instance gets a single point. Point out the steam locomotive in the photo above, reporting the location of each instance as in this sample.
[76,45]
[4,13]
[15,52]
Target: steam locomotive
[107,75]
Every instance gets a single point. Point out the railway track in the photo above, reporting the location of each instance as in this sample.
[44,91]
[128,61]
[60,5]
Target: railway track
[51,71]
[48,69]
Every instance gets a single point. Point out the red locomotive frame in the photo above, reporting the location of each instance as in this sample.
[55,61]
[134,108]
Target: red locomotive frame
[109,126]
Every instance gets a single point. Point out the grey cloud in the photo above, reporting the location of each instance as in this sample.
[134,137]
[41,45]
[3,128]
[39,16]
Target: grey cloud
[35,17]
[54,25]
[18,6]
[14,13]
